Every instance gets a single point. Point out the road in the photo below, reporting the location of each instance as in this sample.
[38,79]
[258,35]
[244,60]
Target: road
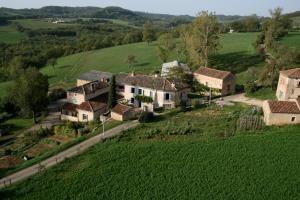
[71,152]
[241,98]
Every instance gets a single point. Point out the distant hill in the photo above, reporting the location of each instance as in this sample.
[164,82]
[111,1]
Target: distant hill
[110,13]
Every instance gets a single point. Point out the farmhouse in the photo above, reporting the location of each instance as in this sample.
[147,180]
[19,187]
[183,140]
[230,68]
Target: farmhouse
[281,112]
[86,102]
[222,81]
[166,67]
[149,92]
[289,84]
[93,76]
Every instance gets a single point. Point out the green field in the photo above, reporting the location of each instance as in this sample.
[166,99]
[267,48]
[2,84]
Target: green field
[235,54]
[204,165]
[9,34]
[39,24]
[292,40]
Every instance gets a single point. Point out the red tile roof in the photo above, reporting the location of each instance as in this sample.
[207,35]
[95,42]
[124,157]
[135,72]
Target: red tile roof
[212,72]
[292,73]
[70,107]
[289,107]
[121,109]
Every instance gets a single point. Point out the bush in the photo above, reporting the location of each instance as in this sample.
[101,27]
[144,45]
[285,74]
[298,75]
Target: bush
[146,117]
[56,94]
[250,87]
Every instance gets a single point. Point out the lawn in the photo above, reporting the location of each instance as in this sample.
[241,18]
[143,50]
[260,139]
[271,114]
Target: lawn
[265,93]
[292,40]
[245,166]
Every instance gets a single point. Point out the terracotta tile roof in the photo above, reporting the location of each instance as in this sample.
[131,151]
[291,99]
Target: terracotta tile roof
[156,83]
[89,88]
[121,109]
[95,104]
[289,107]
[292,73]
[212,72]
[69,107]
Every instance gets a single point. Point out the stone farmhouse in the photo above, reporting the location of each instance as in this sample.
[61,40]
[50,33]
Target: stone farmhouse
[287,109]
[288,84]
[223,82]
[86,102]
[160,91]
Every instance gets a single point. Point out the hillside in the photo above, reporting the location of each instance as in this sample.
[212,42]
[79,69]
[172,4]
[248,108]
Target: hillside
[235,53]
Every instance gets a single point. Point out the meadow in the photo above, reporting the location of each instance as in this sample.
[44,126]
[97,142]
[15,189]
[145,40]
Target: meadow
[235,54]
[203,165]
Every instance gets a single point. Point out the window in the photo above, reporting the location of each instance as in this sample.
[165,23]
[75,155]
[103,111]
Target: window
[293,119]
[132,90]
[167,96]
[140,91]
[132,100]
[85,117]
[228,88]
[298,84]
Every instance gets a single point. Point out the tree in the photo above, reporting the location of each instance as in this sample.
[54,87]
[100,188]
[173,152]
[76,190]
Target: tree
[166,44]
[177,73]
[29,92]
[250,85]
[204,40]
[148,32]
[52,62]
[131,60]
[251,23]
[112,99]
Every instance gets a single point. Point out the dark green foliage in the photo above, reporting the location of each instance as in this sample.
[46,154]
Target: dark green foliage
[29,92]
[144,99]
[146,117]
[112,99]
[56,94]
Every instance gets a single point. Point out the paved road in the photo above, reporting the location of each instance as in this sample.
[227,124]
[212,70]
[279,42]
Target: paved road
[71,152]
[241,98]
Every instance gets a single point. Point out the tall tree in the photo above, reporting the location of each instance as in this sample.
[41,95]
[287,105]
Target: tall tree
[112,99]
[148,32]
[29,92]
[166,44]
[204,40]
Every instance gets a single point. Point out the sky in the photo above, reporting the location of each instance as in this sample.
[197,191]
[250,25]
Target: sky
[177,7]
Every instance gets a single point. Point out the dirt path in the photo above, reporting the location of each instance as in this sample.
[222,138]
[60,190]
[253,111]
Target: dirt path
[71,152]
[241,98]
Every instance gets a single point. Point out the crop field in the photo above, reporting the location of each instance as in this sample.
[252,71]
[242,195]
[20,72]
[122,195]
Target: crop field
[235,54]
[203,165]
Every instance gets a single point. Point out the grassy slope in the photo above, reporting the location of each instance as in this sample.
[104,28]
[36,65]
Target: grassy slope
[189,167]
[234,55]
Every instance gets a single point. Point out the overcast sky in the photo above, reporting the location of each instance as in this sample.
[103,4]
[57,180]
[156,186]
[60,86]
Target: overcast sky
[190,7]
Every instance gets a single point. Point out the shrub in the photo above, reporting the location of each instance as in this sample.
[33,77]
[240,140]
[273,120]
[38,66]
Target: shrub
[146,117]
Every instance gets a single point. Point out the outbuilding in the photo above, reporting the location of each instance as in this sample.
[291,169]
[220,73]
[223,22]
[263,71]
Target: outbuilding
[122,112]
[281,112]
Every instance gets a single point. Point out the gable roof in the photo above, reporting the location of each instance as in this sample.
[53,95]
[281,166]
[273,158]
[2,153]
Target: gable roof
[89,88]
[291,73]
[156,83]
[95,75]
[288,107]
[92,105]
[219,74]
[121,109]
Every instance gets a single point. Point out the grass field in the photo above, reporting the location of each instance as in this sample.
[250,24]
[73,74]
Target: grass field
[235,54]
[9,34]
[39,24]
[203,165]
[292,40]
